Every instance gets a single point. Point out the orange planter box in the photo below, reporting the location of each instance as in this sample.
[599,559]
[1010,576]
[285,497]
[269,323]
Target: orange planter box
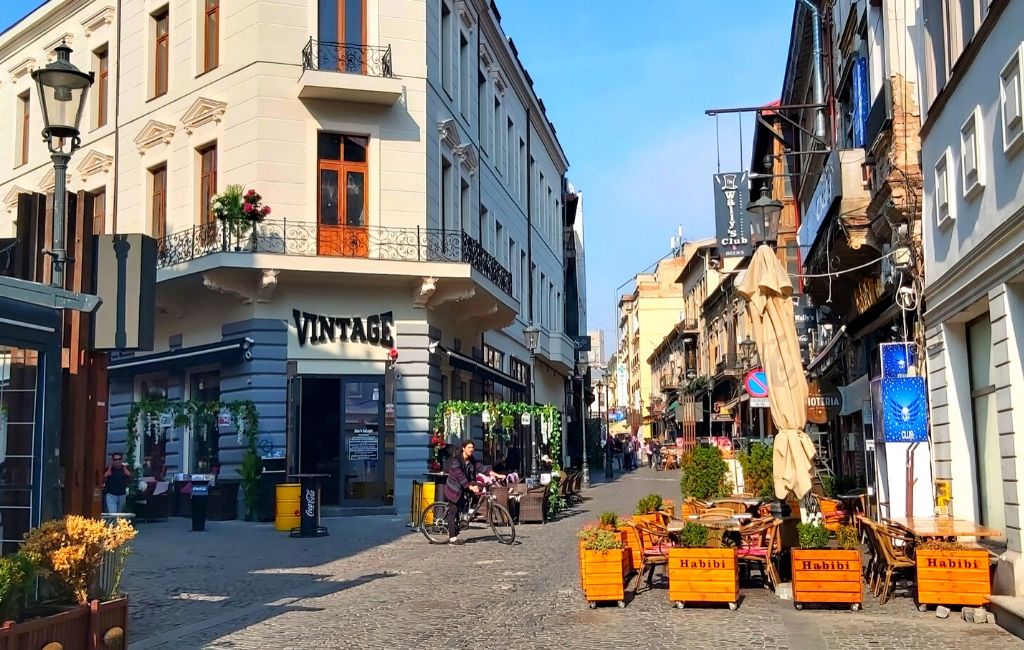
[603,575]
[953,577]
[703,575]
[631,538]
[827,575]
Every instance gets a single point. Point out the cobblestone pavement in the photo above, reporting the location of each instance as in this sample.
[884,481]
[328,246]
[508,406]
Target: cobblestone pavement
[374,584]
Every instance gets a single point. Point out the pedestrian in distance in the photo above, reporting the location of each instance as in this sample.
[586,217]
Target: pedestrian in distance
[609,457]
[115,484]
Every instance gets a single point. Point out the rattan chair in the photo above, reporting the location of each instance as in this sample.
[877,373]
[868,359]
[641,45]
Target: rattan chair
[760,544]
[895,557]
[654,545]
[736,507]
[533,506]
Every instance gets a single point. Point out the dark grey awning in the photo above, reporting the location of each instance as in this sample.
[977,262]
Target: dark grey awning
[481,370]
[226,351]
[828,348]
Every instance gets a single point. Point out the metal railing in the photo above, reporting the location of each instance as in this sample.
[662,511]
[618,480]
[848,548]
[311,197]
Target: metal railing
[728,364]
[689,324]
[306,238]
[353,58]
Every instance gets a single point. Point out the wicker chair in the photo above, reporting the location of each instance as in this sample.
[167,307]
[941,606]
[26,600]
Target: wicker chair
[832,513]
[654,545]
[895,558]
[736,507]
[575,487]
[760,544]
[533,506]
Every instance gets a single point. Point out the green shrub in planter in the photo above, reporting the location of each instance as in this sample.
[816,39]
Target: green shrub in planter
[17,583]
[694,535]
[609,520]
[705,474]
[757,470]
[847,537]
[597,539]
[649,504]
[812,535]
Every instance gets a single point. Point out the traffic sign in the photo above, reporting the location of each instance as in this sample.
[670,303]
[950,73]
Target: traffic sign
[756,383]
[759,402]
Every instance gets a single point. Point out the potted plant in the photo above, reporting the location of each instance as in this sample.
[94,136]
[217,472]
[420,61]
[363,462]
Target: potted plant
[952,573]
[604,564]
[647,508]
[757,467]
[825,572]
[704,474]
[79,562]
[239,210]
[701,570]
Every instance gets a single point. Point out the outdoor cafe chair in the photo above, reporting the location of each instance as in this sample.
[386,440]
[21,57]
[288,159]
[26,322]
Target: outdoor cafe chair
[895,558]
[832,513]
[737,507]
[654,544]
[691,506]
[718,513]
[760,544]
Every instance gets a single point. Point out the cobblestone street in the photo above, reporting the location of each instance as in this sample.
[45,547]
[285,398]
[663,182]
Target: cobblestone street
[375,584]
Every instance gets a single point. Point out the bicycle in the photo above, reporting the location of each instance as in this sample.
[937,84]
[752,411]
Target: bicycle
[434,519]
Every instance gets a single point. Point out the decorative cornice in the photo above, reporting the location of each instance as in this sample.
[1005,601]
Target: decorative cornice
[11,198]
[449,133]
[152,134]
[465,14]
[51,54]
[500,85]
[486,58]
[468,156]
[22,68]
[93,163]
[203,111]
[98,20]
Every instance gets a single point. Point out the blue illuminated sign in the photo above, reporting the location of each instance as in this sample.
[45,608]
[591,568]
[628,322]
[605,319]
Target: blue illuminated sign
[861,102]
[904,409]
[898,358]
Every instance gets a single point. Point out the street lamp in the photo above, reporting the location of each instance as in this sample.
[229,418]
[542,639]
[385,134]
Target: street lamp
[531,336]
[747,348]
[62,91]
[765,229]
[581,371]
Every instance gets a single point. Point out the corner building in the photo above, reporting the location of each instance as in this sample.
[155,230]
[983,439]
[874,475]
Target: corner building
[416,188]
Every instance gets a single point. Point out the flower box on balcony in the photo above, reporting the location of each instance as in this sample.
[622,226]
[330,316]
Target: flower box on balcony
[96,626]
[827,575]
[952,577]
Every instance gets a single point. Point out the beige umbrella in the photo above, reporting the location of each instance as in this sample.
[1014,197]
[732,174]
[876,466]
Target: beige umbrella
[767,289]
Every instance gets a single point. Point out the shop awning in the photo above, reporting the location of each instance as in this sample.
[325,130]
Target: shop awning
[670,410]
[821,356]
[481,370]
[226,351]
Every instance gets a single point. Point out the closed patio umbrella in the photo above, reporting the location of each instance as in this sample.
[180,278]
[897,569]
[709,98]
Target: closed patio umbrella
[767,290]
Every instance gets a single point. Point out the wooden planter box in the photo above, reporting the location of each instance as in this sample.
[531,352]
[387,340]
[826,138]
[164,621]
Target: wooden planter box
[703,575]
[646,519]
[604,574]
[827,575]
[631,538]
[953,577]
[96,626]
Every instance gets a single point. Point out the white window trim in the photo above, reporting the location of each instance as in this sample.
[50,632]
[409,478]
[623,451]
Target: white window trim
[945,160]
[1013,144]
[975,188]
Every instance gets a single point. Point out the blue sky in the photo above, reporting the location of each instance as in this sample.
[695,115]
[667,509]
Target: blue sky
[627,90]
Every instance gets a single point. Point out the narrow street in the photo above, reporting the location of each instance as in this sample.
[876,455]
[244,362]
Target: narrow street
[375,584]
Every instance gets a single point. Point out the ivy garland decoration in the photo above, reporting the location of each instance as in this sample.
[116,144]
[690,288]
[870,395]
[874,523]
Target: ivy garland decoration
[145,416]
[450,425]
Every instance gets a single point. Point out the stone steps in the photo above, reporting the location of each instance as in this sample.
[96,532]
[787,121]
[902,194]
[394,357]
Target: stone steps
[1009,611]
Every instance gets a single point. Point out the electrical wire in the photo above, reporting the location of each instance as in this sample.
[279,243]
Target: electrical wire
[844,271]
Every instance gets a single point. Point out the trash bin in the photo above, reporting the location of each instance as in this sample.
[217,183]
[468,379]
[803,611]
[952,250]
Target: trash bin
[200,504]
[286,507]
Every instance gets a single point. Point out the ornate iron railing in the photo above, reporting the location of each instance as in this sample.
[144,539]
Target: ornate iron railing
[311,239]
[353,58]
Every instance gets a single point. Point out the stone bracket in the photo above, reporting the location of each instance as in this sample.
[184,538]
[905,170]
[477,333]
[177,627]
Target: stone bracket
[259,291]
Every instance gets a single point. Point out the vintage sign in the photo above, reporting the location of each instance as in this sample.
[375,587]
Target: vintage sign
[378,329]
[904,409]
[824,401]
[582,343]
[731,221]
[861,102]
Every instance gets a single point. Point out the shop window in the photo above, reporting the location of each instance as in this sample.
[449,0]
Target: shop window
[204,435]
[19,381]
[153,432]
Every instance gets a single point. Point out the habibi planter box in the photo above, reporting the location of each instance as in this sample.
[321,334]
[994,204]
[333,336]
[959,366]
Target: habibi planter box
[953,577]
[85,627]
[603,574]
[703,575]
[827,575]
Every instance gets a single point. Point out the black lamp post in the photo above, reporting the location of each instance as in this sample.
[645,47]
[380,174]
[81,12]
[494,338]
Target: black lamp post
[62,90]
[531,336]
[581,371]
[747,348]
[765,229]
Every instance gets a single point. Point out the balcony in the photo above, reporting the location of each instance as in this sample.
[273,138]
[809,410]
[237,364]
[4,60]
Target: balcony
[689,326]
[351,72]
[728,366]
[304,239]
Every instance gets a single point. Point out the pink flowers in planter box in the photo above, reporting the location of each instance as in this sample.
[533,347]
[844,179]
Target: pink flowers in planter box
[239,208]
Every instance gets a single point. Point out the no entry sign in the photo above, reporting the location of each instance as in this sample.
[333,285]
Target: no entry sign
[756,383]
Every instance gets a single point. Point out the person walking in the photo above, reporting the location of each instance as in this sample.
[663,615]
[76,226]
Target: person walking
[609,457]
[656,455]
[115,484]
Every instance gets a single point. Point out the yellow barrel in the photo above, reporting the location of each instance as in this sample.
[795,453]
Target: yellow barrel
[426,498]
[286,508]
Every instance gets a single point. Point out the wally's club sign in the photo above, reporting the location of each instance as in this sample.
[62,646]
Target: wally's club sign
[378,329]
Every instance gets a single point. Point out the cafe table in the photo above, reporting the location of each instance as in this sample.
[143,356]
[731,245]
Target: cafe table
[942,527]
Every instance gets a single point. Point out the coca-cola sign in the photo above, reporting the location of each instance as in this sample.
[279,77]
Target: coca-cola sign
[309,498]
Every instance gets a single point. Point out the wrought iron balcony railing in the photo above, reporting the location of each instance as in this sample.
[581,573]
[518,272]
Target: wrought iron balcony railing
[353,58]
[305,238]
[729,364]
[690,325]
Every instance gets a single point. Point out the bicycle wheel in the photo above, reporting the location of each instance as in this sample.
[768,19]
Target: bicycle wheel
[501,523]
[434,522]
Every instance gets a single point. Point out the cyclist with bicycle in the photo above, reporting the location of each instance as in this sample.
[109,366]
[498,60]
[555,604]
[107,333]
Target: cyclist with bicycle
[462,473]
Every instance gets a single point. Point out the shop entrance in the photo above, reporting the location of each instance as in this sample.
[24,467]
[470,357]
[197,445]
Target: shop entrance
[341,433]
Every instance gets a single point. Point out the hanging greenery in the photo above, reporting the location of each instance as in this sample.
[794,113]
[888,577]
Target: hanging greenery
[153,416]
[450,424]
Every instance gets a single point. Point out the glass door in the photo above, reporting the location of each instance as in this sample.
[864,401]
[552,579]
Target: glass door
[341,214]
[342,34]
[204,446]
[364,480]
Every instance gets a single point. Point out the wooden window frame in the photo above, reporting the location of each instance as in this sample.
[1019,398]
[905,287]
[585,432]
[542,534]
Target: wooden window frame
[207,182]
[158,201]
[102,85]
[25,106]
[211,56]
[161,61]
[99,200]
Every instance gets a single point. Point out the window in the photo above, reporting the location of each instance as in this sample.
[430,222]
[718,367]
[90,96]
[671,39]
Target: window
[499,237]
[520,371]
[207,187]
[161,45]
[506,151]
[495,125]
[342,170]
[102,85]
[465,80]
[522,169]
[464,204]
[446,48]
[446,195]
[341,28]
[482,226]
[971,164]
[481,109]
[204,436]
[22,389]
[99,211]
[152,455]
[24,109]
[523,280]
[510,254]
[943,195]
[493,357]
[158,202]
[542,299]
[1010,101]
[211,35]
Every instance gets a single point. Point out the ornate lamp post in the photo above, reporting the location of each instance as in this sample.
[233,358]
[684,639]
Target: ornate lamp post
[765,229]
[62,90]
[531,336]
[747,348]
[581,372]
